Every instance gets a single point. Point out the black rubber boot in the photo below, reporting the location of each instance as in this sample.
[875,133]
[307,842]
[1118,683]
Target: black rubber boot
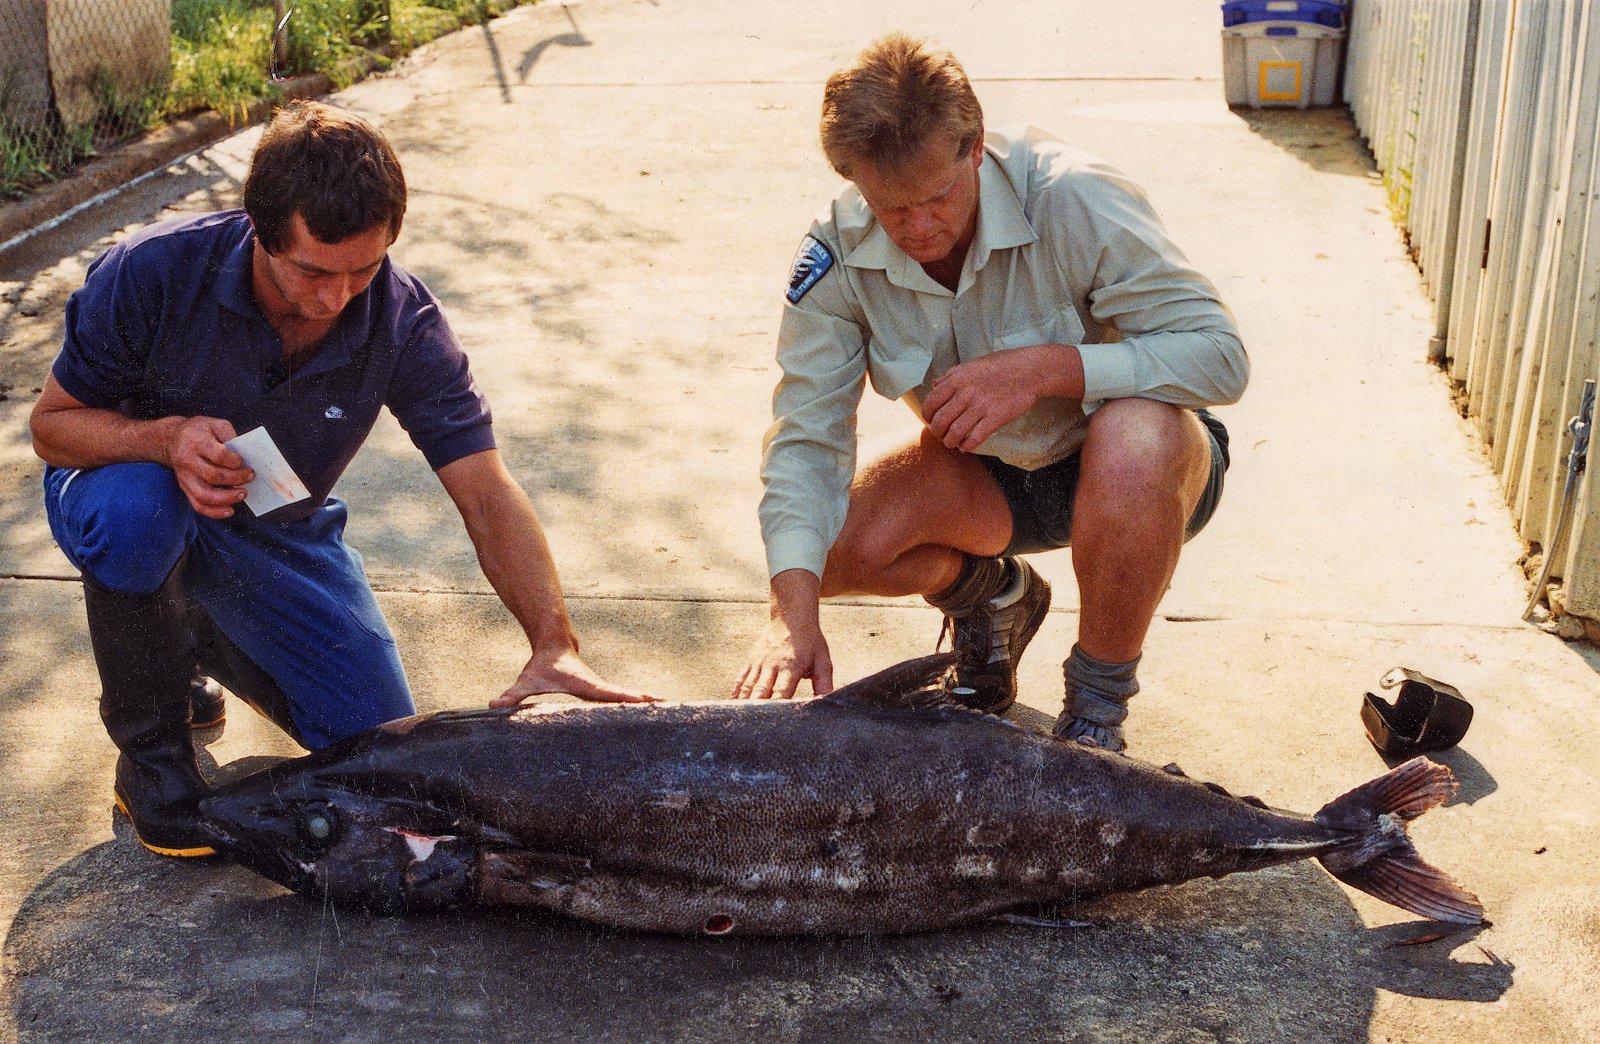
[228,664]
[207,706]
[146,669]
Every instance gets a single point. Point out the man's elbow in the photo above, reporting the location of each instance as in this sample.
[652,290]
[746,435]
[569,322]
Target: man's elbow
[38,431]
[1233,370]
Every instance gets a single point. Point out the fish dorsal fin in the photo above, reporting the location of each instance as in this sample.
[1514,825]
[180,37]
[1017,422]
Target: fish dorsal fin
[909,685]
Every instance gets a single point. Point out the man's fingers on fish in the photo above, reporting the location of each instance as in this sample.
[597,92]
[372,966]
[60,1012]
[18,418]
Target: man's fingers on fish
[822,684]
[509,698]
[615,695]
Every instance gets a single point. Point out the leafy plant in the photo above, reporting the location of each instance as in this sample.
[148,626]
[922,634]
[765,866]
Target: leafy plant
[222,61]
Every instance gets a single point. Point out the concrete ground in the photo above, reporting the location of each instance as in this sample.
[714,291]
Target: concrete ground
[607,196]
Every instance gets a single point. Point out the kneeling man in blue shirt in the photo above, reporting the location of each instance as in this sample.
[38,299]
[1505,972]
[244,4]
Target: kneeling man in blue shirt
[287,315]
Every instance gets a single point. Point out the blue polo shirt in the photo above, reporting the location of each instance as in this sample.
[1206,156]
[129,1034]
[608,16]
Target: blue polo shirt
[166,324]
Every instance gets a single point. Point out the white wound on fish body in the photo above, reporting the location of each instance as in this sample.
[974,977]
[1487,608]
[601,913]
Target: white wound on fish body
[1112,833]
[1389,823]
[421,845]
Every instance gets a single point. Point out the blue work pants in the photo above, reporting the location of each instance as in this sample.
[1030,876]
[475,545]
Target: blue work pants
[291,595]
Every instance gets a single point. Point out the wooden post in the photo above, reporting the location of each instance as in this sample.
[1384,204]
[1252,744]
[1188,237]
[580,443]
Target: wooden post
[279,39]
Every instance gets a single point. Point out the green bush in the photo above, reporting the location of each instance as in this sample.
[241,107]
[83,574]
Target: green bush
[221,50]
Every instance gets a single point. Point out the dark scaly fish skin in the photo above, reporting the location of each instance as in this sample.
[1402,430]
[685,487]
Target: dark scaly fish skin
[873,810]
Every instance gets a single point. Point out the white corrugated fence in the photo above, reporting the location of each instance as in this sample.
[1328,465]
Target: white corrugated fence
[1484,117]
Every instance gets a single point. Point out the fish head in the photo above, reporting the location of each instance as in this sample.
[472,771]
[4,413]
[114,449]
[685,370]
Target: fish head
[386,854]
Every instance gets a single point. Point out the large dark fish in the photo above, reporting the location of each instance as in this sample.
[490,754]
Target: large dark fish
[875,809]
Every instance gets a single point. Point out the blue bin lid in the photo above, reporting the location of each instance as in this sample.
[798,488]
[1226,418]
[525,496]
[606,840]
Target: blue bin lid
[1319,12]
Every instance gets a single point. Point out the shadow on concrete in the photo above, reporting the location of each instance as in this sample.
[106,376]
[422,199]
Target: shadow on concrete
[1476,781]
[161,948]
[531,56]
[1324,139]
[1588,654]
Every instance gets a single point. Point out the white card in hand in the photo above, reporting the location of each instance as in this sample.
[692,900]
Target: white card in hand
[275,483]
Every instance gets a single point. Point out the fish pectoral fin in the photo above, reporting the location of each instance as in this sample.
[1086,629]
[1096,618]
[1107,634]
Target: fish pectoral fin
[908,685]
[530,869]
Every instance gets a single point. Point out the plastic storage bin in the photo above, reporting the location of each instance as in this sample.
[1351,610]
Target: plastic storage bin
[1282,52]
[1330,13]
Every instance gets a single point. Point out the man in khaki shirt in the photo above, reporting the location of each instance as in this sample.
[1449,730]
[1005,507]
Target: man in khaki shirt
[1026,303]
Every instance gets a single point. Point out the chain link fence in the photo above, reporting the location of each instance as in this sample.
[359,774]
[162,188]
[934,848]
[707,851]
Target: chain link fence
[77,76]
[74,76]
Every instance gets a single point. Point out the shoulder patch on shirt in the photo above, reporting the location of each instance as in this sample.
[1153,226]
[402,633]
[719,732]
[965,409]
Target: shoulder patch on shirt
[811,263]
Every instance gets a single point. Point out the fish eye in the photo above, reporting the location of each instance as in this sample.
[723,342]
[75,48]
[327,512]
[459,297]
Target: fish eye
[318,825]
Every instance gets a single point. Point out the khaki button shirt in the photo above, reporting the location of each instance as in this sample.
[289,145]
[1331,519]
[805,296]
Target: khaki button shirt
[1066,251]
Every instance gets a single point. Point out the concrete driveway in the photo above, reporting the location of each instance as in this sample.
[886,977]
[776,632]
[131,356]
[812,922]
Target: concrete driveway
[606,196]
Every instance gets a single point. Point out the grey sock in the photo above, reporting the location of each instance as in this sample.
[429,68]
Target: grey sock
[980,579]
[1096,701]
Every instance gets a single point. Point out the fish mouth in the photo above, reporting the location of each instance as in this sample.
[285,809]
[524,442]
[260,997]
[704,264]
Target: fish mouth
[258,854]
[214,831]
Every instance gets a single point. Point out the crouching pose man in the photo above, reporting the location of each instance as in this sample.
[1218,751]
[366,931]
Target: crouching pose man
[290,315]
[1025,301]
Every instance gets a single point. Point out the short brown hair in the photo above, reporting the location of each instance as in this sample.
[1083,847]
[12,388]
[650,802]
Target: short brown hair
[331,167]
[899,94]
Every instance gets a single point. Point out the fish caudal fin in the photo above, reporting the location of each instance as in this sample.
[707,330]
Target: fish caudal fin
[1379,858]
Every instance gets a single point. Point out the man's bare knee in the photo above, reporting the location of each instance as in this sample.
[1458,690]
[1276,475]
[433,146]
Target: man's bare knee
[1141,441]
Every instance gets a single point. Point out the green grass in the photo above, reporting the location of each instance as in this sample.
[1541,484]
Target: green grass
[222,61]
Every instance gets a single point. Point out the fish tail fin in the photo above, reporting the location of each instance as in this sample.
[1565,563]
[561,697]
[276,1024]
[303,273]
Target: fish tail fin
[1380,859]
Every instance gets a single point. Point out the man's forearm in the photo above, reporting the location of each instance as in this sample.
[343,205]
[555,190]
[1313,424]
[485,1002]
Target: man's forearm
[516,560]
[92,438]
[511,548]
[796,594]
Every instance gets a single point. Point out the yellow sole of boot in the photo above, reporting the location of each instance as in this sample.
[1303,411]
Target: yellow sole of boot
[177,853]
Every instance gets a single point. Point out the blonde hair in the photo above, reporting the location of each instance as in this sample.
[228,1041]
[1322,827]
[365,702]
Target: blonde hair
[898,95]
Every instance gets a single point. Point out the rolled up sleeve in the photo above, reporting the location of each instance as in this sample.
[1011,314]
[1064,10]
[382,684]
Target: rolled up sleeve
[1179,343]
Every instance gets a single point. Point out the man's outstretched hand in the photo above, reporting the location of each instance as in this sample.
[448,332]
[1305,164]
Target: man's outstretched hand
[791,648]
[781,660]
[566,673]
